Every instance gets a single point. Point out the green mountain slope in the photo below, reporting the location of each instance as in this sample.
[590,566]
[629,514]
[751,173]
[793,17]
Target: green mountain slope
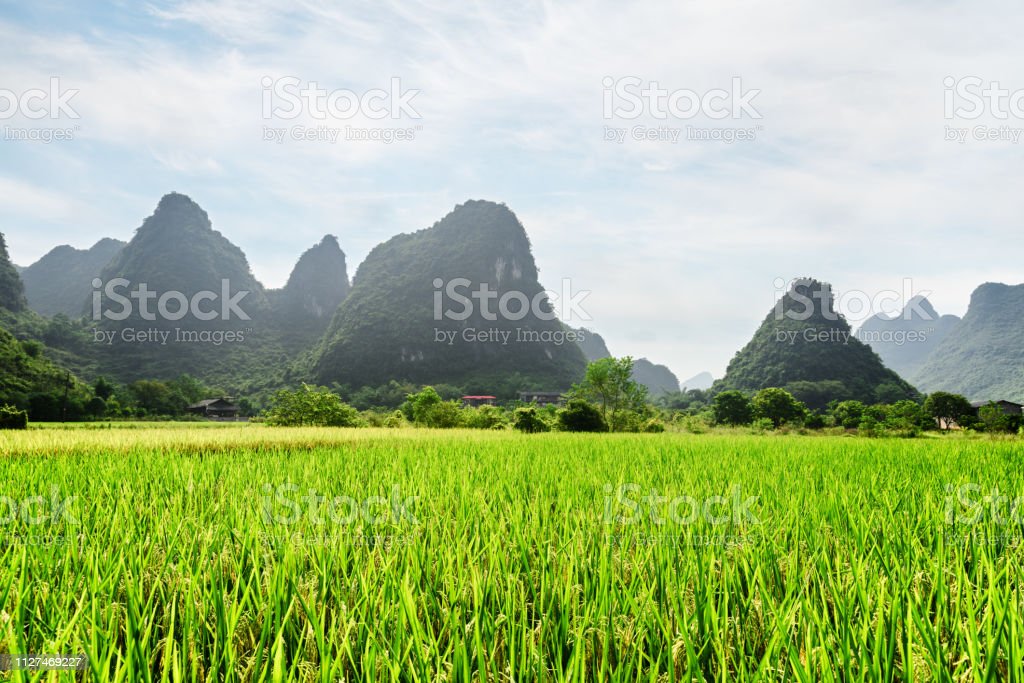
[12,290]
[388,329]
[983,356]
[805,346]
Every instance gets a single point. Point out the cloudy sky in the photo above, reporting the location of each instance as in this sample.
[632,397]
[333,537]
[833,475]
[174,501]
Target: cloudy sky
[848,172]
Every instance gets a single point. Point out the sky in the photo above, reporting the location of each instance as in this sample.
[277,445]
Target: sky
[811,139]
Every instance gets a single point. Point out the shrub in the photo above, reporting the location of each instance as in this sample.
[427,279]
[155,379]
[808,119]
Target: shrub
[653,426]
[868,426]
[484,417]
[311,406]
[395,420]
[815,421]
[12,418]
[732,408]
[528,420]
[762,425]
[580,416]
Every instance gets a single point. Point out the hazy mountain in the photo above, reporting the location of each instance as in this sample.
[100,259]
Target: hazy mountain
[12,290]
[592,345]
[803,345]
[318,283]
[905,340]
[701,381]
[657,378]
[983,356]
[400,322]
[61,280]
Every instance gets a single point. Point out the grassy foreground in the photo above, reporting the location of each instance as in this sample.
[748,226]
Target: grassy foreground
[249,553]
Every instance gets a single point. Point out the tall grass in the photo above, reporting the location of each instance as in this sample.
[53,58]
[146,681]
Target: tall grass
[179,561]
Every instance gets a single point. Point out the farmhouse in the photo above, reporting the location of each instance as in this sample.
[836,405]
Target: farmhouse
[477,401]
[216,409]
[542,398]
[1009,407]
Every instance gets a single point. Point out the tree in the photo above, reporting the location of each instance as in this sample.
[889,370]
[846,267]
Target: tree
[848,414]
[993,419]
[907,416]
[778,405]
[428,409]
[581,416]
[311,406]
[528,420]
[948,409]
[610,385]
[732,407]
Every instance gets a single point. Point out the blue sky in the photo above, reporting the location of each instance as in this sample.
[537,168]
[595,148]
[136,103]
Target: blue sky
[849,177]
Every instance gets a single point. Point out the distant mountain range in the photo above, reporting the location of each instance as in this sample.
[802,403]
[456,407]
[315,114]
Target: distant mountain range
[982,356]
[393,321]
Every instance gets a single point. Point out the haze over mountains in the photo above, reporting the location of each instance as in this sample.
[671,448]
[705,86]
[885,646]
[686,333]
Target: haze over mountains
[393,321]
[59,282]
[905,340]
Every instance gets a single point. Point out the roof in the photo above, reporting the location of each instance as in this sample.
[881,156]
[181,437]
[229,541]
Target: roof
[979,404]
[211,401]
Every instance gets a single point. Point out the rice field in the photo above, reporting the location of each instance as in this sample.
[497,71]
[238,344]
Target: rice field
[245,553]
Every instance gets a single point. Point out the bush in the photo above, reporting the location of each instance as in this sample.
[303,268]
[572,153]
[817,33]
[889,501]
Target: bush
[484,417]
[12,418]
[868,426]
[732,408]
[762,425]
[580,416]
[395,420]
[428,409]
[311,406]
[653,426]
[815,421]
[529,421]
